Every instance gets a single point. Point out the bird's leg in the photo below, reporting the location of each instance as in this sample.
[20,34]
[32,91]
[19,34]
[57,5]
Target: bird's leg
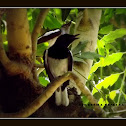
[58,96]
[65,99]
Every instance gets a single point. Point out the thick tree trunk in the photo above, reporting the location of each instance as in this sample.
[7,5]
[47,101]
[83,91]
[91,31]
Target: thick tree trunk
[19,38]
[87,25]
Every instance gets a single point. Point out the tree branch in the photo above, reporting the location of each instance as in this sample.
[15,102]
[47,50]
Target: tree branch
[37,29]
[39,65]
[39,71]
[87,25]
[116,113]
[49,92]
[11,67]
[36,32]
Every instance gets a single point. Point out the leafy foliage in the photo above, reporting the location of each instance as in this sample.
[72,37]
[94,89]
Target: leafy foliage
[107,75]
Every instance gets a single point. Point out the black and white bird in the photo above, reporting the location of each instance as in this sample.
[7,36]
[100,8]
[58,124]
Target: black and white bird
[57,61]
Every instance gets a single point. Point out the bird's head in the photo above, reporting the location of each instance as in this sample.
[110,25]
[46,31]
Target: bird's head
[65,40]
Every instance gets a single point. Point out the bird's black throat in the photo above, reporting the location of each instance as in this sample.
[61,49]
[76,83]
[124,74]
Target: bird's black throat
[58,52]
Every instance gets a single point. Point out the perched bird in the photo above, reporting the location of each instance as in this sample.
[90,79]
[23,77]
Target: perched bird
[57,61]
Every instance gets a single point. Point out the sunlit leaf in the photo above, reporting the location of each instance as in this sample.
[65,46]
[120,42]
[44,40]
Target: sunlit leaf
[101,48]
[112,94]
[43,81]
[58,13]
[106,29]
[114,35]
[41,48]
[108,60]
[84,99]
[102,102]
[111,59]
[108,81]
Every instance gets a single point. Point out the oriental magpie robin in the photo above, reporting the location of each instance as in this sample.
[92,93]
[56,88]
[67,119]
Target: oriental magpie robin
[57,61]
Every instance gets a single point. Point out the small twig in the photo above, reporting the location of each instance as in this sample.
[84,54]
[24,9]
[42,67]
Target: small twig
[39,65]
[37,29]
[121,88]
[36,32]
[39,71]
[116,113]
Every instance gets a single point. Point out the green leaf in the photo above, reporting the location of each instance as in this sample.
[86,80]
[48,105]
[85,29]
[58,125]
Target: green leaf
[101,48]
[78,59]
[58,14]
[120,11]
[111,59]
[108,60]
[37,62]
[110,100]
[5,45]
[88,55]
[105,91]
[108,81]
[43,81]
[106,29]
[120,65]
[109,12]
[32,16]
[112,94]
[79,48]
[114,35]
[102,102]
[108,47]
[84,99]
[51,22]
[41,48]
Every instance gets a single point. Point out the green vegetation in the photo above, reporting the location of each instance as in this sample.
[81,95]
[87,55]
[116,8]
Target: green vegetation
[107,75]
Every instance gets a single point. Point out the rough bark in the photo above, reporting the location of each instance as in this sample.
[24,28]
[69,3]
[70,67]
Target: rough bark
[19,38]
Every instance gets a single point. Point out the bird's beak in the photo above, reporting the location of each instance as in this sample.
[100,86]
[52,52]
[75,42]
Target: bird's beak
[75,36]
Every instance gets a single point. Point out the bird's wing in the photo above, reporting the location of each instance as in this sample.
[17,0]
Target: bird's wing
[45,57]
[70,61]
[70,65]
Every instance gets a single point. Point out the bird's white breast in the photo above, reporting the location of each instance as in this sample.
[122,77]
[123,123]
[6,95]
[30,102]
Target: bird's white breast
[58,67]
